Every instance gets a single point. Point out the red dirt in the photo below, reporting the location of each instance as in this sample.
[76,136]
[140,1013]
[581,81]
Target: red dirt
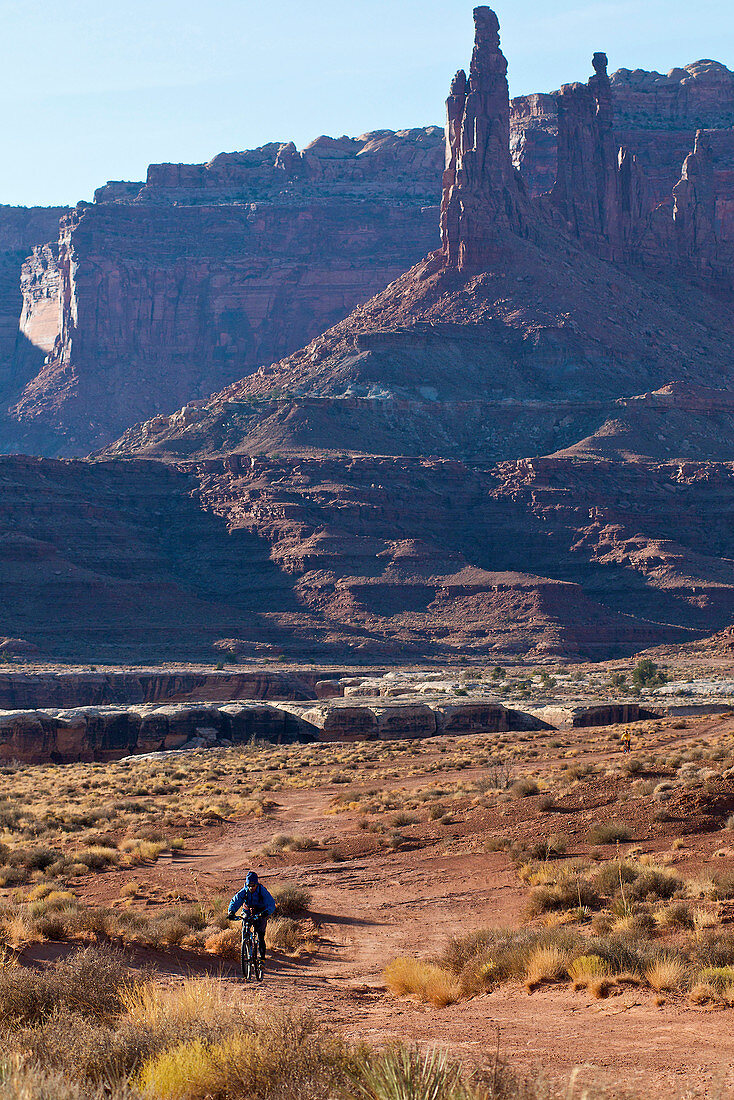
[374,906]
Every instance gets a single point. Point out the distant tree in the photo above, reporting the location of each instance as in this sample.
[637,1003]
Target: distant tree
[646,674]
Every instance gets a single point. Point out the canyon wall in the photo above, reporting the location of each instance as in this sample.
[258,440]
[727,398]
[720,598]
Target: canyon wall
[166,290]
[209,271]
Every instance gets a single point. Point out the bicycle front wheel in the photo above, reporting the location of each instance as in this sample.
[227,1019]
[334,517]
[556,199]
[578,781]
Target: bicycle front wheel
[246,955]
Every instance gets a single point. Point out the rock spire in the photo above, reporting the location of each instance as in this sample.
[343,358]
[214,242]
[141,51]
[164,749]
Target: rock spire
[694,206]
[482,191]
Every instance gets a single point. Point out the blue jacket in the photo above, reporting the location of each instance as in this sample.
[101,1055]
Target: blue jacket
[259,901]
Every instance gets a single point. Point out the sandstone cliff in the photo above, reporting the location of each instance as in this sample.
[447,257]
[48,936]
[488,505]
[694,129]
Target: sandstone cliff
[147,302]
[166,290]
[21,229]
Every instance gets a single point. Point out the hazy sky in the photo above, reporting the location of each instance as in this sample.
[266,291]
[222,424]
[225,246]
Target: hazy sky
[93,90]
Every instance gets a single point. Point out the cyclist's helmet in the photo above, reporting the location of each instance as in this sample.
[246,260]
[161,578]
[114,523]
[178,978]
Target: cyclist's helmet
[251,879]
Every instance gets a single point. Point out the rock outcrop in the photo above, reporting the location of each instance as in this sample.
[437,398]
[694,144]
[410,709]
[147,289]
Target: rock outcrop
[694,208]
[36,690]
[109,733]
[21,229]
[146,303]
[599,188]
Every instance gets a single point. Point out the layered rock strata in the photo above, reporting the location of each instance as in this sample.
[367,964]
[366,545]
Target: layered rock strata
[32,690]
[166,290]
[109,733]
[144,305]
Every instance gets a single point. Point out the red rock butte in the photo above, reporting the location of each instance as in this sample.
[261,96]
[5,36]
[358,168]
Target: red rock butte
[522,444]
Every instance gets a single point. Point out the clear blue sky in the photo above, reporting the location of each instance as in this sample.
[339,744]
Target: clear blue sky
[93,90]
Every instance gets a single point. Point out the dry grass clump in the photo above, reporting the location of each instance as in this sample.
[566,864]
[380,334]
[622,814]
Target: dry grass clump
[91,982]
[149,1003]
[587,969]
[545,965]
[611,832]
[424,980]
[292,937]
[485,959]
[291,900]
[666,974]
[281,1055]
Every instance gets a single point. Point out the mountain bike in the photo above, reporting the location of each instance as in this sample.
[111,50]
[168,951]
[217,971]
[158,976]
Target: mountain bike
[251,961]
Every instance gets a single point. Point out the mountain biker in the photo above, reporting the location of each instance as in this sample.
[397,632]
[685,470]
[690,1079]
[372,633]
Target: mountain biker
[626,740]
[259,904]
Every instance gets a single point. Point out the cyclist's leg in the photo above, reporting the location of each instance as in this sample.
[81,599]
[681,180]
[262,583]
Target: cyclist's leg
[261,926]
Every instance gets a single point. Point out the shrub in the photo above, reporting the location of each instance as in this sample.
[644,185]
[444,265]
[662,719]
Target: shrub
[287,935]
[29,1081]
[724,884]
[622,953]
[654,884]
[424,979]
[611,832]
[97,857]
[90,982]
[587,968]
[523,788]
[193,1001]
[647,674]
[401,819]
[399,1073]
[546,964]
[720,977]
[568,894]
[665,974]
[291,900]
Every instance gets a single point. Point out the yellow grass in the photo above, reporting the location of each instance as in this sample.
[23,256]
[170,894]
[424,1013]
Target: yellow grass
[193,1070]
[546,964]
[193,1001]
[226,944]
[702,994]
[720,977]
[587,968]
[424,980]
[665,974]
[704,918]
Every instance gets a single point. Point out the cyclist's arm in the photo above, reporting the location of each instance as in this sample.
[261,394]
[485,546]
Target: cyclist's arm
[236,902]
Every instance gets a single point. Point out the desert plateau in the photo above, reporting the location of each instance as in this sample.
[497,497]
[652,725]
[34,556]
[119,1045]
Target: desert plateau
[367,530]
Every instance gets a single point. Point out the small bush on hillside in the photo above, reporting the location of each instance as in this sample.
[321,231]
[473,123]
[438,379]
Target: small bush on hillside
[290,901]
[611,832]
[646,674]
